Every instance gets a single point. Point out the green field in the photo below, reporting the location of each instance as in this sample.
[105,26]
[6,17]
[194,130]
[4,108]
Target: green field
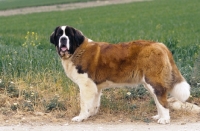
[28,58]
[144,20]
[13,4]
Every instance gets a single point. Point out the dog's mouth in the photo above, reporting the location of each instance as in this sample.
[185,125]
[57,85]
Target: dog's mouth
[64,52]
[63,49]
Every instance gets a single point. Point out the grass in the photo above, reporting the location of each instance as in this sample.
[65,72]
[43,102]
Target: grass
[153,23]
[32,78]
[13,4]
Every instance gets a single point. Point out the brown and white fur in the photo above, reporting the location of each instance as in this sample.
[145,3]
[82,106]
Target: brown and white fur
[94,66]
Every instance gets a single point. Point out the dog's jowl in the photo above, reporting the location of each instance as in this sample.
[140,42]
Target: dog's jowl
[94,66]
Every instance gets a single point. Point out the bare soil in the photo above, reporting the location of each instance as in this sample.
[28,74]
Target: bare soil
[105,127]
[100,122]
[37,121]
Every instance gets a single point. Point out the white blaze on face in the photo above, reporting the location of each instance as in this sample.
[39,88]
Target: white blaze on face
[64,36]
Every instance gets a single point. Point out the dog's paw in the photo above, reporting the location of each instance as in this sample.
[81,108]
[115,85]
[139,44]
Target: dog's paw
[164,120]
[156,117]
[77,119]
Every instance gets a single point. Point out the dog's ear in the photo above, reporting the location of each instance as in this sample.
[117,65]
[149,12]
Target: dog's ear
[78,37]
[53,36]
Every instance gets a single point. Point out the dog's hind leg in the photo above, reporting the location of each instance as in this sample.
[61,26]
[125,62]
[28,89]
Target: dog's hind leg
[160,99]
[88,93]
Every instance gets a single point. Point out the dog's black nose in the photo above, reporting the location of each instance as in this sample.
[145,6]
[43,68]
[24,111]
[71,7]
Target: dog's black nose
[63,39]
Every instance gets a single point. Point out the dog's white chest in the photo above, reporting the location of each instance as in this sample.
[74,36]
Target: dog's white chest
[72,73]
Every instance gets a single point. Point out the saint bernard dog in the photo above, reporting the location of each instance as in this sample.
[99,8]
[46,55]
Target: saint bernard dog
[94,66]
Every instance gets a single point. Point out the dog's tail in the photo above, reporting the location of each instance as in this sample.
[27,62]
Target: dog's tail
[181,91]
[180,88]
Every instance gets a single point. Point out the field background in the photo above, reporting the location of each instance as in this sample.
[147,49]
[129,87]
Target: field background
[31,75]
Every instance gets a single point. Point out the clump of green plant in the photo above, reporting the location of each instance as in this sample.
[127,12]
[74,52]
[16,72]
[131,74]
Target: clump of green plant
[12,90]
[2,85]
[195,78]
[136,93]
[55,104]
[184,56]
[9,88]
[31,40]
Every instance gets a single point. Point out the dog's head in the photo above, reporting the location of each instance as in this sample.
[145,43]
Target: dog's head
[66,39]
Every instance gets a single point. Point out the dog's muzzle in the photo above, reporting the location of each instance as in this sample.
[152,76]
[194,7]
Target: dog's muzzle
[63,44]
[63,49]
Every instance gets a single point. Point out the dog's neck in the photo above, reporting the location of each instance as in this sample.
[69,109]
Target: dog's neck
[84,44]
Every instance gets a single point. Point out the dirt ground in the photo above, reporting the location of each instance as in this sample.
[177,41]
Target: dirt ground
[43,122]
[39,121]
[105,127]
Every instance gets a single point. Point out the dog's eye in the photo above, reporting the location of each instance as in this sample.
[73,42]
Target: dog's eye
[60,34]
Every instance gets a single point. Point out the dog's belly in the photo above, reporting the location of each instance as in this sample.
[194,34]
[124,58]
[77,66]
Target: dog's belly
[78,78]
[110,84]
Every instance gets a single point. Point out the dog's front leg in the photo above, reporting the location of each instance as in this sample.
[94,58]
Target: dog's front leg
[88,92]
